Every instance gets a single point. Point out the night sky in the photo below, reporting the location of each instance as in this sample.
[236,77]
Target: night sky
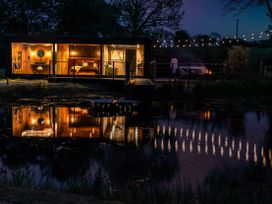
[205,16]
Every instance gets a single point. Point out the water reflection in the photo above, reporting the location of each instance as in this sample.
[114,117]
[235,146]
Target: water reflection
[185,131]
[164,143]
[72,122]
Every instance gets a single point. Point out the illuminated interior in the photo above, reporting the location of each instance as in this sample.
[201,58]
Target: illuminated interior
[116,56]
[77,59]
[31,58]
[71,122]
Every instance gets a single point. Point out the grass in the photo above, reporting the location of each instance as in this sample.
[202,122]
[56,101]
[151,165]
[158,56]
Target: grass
[41,89]
[240,91]
[221,186]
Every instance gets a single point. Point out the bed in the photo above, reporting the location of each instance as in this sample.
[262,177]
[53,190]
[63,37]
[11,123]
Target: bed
[89,68]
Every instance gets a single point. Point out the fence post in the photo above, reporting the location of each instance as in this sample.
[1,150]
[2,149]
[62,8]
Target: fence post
[261,70]
[153,70]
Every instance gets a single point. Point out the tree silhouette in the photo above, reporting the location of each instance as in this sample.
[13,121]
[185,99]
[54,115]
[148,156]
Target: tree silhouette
[181,37]
[238,59]
[238,5]
[76,17]
[142,17]
[26,17]
[86,17]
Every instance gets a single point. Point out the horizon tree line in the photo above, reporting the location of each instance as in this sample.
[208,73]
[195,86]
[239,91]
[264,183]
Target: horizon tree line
[84,17]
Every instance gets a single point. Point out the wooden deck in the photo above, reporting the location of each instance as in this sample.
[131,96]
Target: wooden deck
[142,89]
[116,82]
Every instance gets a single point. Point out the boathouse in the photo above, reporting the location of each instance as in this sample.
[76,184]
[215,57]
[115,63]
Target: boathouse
[76,57]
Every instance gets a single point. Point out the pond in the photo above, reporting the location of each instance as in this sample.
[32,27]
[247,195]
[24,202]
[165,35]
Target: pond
[131,145]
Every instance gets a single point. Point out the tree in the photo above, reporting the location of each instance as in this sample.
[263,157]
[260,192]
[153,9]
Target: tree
[79,17]
[181,37]
[269,31]
[84,17]
[26,17]
[238,5]
[215,35]
[142,17]
[202,39]
[237,60]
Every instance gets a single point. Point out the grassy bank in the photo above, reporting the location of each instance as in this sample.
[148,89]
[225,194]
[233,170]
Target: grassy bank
[243,91]
[12,194]
[232,91]
[42,91]
[222,186]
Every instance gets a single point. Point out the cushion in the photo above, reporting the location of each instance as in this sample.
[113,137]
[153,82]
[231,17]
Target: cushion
[40,68]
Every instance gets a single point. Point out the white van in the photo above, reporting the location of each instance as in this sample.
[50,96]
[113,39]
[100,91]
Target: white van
[196,70]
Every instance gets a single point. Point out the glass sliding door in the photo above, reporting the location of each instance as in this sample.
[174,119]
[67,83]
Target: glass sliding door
[77,59]
[61,59]
[113,61]
[116,56]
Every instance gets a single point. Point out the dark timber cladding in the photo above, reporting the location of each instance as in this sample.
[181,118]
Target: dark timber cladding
[74,56]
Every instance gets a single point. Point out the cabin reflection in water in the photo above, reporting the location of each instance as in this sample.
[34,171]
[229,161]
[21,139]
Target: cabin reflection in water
[73,122]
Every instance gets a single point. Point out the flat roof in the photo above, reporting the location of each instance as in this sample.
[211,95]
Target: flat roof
[77,39]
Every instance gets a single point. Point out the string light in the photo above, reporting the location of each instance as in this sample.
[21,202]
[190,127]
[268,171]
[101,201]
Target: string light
[211,42]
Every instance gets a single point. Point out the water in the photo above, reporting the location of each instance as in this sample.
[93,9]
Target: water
[164,143]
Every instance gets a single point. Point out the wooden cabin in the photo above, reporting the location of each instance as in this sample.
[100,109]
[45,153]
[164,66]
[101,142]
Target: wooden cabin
[77,57]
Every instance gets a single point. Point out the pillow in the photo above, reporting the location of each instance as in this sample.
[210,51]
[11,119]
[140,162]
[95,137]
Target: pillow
[85,64]
[40,68]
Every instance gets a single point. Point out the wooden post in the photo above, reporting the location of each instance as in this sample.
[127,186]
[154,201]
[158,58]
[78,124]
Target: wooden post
[101,61]
[113,70]
[153,70]
[74,71]
[53,61]
[261,70]
[189,72]
[127,73]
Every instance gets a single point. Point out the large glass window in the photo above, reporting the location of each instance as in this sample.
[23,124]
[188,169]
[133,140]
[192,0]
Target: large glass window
[77,59]
[31,58]
[115,58]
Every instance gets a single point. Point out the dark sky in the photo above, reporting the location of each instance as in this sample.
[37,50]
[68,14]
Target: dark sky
[205,16]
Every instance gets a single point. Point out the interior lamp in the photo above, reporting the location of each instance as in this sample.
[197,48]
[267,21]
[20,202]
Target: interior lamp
[73,53]
[48,53]
[32,53]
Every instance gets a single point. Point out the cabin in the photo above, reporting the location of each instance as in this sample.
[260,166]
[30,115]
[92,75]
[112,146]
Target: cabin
[67,57]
